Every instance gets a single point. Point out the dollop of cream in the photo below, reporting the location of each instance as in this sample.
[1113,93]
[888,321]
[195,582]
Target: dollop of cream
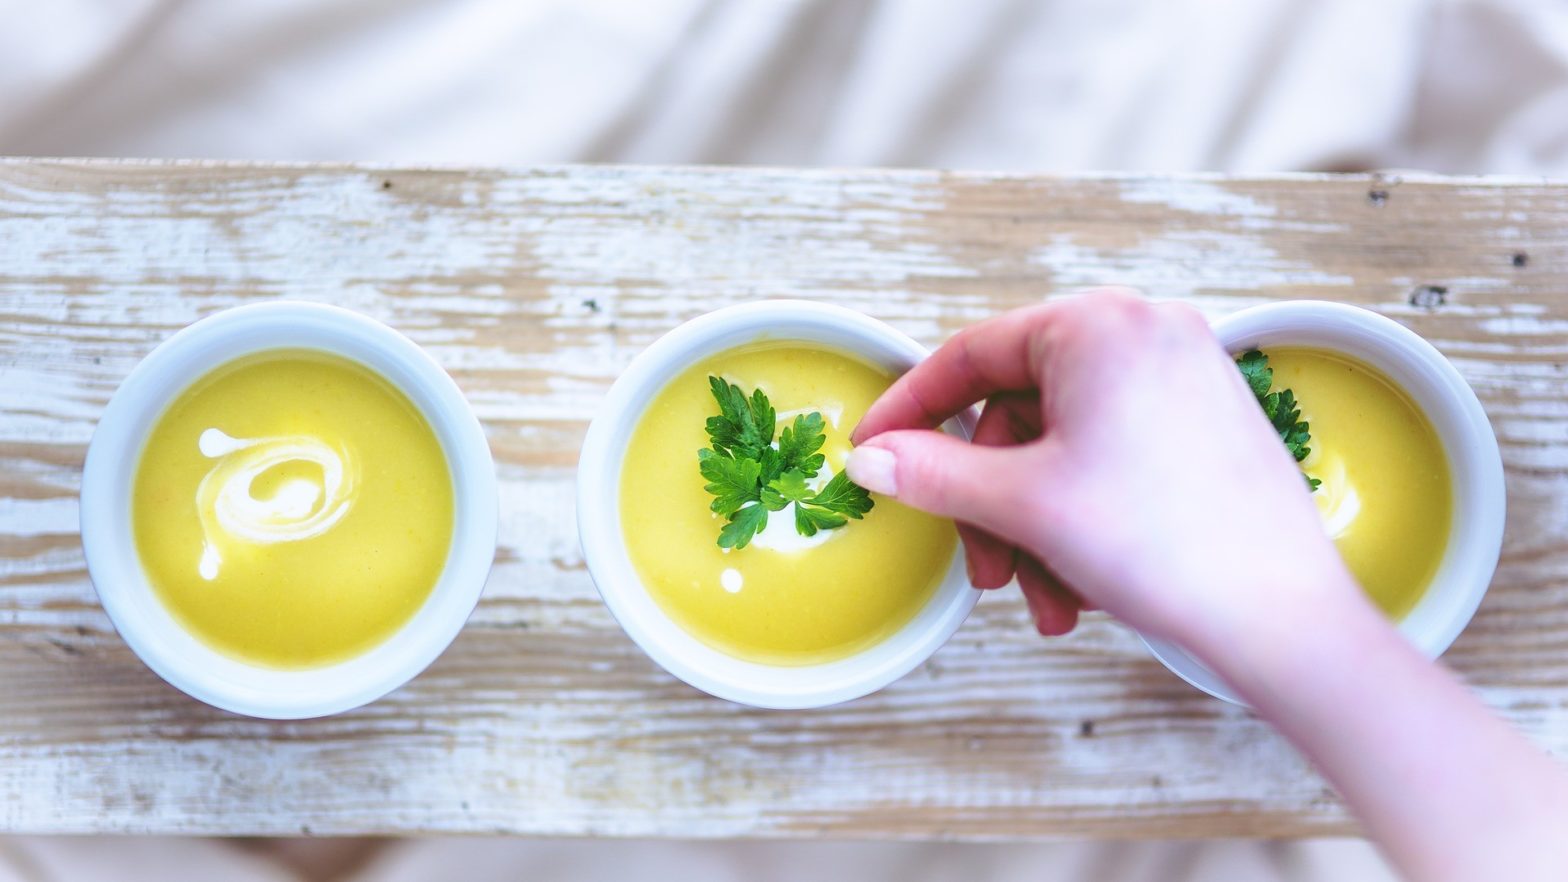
[299,509]
[1337,500]
[832,412]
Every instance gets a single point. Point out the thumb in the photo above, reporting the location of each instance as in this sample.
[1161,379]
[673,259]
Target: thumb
[944,475]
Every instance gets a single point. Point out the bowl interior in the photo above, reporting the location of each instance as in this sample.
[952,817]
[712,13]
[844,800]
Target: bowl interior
[621,587]
[149,627]
[1475,466]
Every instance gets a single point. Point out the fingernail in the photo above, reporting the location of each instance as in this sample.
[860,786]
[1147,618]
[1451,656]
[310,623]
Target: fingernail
[873,468]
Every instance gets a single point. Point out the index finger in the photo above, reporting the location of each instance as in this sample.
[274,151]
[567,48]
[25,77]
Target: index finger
[996,355]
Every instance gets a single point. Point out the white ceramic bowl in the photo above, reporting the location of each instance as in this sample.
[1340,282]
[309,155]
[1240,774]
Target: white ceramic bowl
[1476,533]
[146,624]
[599,518]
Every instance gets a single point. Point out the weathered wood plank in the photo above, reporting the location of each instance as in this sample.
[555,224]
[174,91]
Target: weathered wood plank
[534,288]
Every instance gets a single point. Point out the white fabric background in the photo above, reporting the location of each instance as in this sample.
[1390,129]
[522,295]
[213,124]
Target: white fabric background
[1448,85]
[1055,85]
[495,860]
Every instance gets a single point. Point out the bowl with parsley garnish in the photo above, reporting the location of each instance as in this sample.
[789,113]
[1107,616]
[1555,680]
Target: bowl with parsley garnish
[1394,449]
[722,531]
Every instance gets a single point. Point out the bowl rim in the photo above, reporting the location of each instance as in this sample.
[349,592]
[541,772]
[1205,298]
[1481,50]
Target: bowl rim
[1469,443]
[146,624]
[599,528]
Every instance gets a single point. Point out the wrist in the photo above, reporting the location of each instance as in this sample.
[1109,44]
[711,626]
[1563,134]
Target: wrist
[1308,631]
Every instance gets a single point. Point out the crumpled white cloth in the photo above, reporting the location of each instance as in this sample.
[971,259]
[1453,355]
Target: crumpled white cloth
[1050,85]
[497,860]
[1055,85]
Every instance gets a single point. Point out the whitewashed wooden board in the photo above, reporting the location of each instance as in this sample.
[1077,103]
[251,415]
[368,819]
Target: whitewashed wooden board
[533,288]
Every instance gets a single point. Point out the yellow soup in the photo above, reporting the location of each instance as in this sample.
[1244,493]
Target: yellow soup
[292,509]
[1386,497]
[785,598]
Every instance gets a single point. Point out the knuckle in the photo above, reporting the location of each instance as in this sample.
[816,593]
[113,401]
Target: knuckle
[1182,325]
[1118,294]
[1110,312]
[1112,304]
[1186,316]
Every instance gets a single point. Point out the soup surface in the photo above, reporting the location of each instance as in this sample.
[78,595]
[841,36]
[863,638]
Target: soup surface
[785,598]
[292,509]
[1385,498]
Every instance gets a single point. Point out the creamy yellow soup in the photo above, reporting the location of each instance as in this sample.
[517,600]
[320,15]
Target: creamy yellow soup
[1386,497]
[292,509]
[784,599]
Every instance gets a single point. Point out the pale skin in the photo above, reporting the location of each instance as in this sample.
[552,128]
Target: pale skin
[1204,533]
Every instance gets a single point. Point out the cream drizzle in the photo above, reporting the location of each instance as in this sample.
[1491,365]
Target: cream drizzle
[300,509]
[1337,499]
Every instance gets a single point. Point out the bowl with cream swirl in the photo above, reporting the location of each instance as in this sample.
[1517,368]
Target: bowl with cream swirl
[288,510]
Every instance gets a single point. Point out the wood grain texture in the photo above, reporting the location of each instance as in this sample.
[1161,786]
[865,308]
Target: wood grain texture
[534,288]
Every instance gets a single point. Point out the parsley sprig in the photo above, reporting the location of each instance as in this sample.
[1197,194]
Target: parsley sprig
[749,476]
[1280,407]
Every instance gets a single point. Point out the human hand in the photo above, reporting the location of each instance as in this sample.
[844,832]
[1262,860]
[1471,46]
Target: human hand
[1120,462]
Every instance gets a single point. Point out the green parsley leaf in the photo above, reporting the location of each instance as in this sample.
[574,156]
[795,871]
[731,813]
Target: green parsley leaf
[809,520]
[845,497]
[1255,367]
[786,488]
[799,443]
[743,525]
[749,477]
[733,482]
[837,502]
[743,429]
[1281,408]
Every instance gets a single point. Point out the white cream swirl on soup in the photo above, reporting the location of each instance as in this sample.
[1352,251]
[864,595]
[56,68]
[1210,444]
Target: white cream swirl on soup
[1337,500]
[300,507]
